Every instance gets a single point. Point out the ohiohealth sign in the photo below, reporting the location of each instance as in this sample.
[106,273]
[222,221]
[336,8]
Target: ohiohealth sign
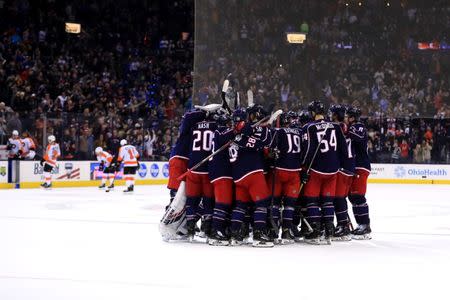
[407,171]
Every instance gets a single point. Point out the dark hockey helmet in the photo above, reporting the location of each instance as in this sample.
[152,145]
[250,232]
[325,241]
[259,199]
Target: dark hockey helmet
[304,116]
[289,119]
[316,107]
[338,111]
[353,112]
[240,114]
[257,111]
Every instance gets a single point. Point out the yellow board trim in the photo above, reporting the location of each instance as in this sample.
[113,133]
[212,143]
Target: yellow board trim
[409,181]
[6,185]
[87,183]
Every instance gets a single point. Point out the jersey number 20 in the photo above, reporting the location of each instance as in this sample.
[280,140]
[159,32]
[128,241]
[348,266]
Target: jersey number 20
[202,140]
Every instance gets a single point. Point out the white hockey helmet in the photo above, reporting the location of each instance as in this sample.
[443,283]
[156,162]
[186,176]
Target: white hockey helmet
[98,150]
[15,133]
[123,142]
[51,138]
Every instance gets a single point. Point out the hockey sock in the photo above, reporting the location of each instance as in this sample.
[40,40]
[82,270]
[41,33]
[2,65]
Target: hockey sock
[48,178]
[360,208]
[111,179]
[288,212]
[103,179]
[327,209]
[129,180]
[312,208]
[238,214]
[192,204]
[220,216]
[208,207]
[341,210]
[260,214]
[276,210]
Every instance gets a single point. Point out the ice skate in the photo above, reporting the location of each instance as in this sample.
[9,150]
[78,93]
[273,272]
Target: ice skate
[261,240]
[362,232]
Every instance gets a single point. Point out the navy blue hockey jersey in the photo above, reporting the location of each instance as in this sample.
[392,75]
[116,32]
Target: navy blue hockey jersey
[201,144]
[288,142]
[332,153]
[358,135]
[349,165]
[219,166]
[182,147]
[247,155]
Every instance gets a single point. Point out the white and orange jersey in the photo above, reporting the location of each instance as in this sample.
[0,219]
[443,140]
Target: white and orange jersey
[105,157]
[128,155]
[27,144]
[52,152]
[14,145]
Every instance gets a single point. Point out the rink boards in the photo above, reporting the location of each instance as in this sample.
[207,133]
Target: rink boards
[29,174]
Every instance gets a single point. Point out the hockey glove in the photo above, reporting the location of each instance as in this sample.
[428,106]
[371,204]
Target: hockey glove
[101,167]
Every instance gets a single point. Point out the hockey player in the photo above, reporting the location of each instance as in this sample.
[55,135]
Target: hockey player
[247,160]
[358,135]
[52,153]
[105,159]
[14,146]
[29,148]
[287,141]
[198,187]
[179,156]
[325,145]
[219,168]
[304,117]
[128,155]
[343,180]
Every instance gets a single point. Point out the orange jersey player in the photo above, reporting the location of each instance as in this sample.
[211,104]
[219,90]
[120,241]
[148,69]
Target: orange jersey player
[128,155]
[52,152]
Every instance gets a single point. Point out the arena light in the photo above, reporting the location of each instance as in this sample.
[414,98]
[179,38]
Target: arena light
[295,37]
[74,28]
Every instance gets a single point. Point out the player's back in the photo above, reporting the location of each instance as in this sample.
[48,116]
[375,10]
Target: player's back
[358,134]
[331,149]
[201,144]
[289,145]
[128,155]
[219,165]
[247,155]
[182,146]
[52,152]
[28,144]
[105,157]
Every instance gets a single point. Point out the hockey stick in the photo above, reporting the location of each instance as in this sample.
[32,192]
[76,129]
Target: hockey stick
[225,86]
[267,118]
[272,198]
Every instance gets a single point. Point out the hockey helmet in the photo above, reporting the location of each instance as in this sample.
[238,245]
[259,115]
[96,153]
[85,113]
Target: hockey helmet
[123,142]
[354,112]
[338,111]
[98,150]
[316,107]
[51,138]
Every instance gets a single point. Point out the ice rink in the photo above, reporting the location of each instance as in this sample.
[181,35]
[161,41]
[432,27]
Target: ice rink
[82,243]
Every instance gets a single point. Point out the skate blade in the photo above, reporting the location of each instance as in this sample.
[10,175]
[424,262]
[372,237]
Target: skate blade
[257,244]
[234,243]
[312,241]
[347,238]
[362,237]
[214,242]
[286,242]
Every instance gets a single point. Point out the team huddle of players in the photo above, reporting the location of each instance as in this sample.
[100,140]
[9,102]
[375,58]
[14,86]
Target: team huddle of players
[273,178]
[25,148]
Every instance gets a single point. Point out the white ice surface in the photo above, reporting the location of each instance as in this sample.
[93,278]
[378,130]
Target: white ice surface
[81,243]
